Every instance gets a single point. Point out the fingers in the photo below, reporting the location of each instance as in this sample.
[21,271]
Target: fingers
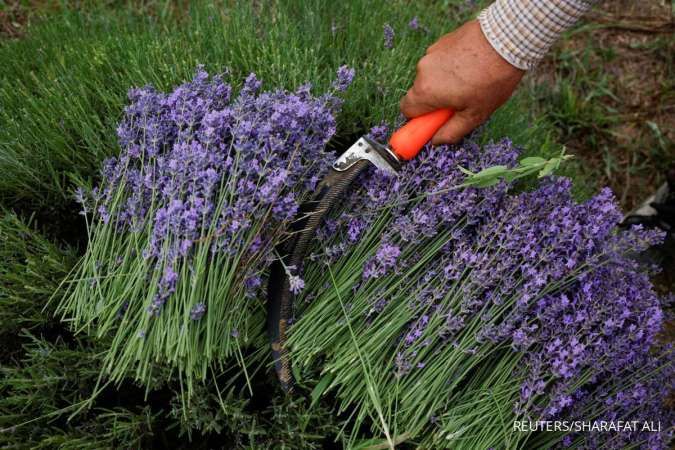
[422,96]
[413,105]
[457,127]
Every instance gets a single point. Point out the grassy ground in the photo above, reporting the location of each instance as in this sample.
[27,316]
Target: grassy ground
[63,85]
[608,87]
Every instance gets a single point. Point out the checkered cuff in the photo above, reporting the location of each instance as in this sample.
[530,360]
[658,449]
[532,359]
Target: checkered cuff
[522,31]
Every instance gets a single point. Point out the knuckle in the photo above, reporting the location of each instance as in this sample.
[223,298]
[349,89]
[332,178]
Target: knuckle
[482,118]
[431,49]
[422,64]
[403,103]
[406,102]
[419,67]
[476,117]
[424,87]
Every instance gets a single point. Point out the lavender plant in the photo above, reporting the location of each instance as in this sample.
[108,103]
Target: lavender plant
[185,219]
[388,36]
[443,315]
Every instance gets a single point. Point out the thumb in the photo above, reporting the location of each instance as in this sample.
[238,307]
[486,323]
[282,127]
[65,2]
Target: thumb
[413,105]
[455,129]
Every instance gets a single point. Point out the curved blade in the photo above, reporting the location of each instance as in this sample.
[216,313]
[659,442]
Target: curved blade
[293,251]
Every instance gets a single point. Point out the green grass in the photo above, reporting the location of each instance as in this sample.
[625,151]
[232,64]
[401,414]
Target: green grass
[52,377]
[49,378]
[31,268]
[610,101]
[44,372]
[63,86]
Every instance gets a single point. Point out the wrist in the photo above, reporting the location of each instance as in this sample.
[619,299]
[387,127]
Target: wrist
[492,62]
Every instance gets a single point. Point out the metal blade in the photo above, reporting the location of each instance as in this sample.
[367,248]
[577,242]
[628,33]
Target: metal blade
[367,149]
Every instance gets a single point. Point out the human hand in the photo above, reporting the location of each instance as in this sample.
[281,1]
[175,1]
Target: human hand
[463,72]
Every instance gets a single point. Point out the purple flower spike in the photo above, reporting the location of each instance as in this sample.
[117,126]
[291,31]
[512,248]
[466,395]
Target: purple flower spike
[197,311]
[384,260]
[550,281]
[345,75]
[200,167]
[388,36]
[297,284]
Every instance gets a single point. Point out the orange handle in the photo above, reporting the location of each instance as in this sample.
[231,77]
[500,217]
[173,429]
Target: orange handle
[408,140]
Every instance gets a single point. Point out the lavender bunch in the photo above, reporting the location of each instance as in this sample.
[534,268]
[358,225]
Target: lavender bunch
[185,219]
[462,310]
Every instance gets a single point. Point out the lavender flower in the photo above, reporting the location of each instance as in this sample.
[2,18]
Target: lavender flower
[198,197]
[483,276]
[388,36]
[183,152]
[197,311]
[385,259]
[297,284]
[81,198]
[345,75]
[414,24]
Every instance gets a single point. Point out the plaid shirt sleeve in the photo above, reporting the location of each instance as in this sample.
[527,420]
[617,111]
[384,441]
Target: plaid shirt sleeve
[522,31]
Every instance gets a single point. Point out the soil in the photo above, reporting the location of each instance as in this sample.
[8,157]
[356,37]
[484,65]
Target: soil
[633,46]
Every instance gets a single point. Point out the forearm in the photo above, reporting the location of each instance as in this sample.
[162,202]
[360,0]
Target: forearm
[522,31]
